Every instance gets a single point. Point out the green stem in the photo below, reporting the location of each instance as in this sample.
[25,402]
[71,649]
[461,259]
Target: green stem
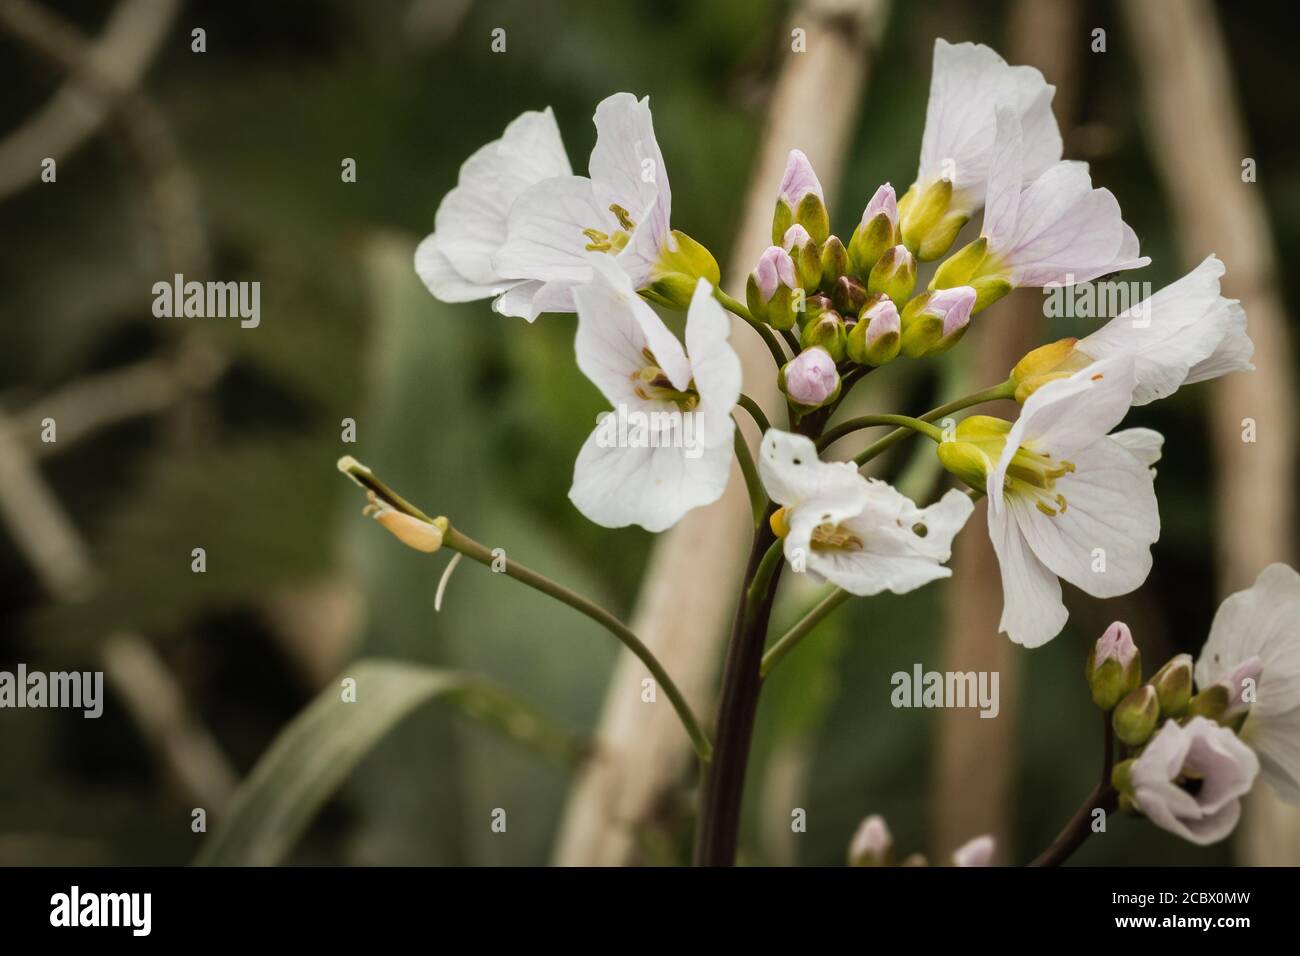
[1006,389]
[472,549]
[757,496]
[904,422]
[739,308]
[801,630]
[755,412]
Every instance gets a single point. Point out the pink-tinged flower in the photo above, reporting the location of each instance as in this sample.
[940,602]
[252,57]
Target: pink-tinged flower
[558,226]
[860,534]
[1190,779]
[667,447]
[456,260]
[810,379]
[799,180]
[1066,499]
[976,852]
[1053,229]
[1185,333]
[968,84]
[1256,634]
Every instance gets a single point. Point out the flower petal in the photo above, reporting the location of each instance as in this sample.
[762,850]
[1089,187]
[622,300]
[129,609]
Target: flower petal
[1101,541]
[648,486]
[1032,610]
[471,220]
[792,473]
[714,364]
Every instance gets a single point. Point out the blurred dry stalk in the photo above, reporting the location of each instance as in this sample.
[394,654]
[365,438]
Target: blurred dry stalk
[975,759]
[1199,144]
[130,40]
[682,614]
[101,85]
[46,536]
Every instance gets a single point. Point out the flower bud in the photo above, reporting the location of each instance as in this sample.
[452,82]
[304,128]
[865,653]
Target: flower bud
[1229,700]
[976,852]
[800,201]
[1114,668]
[973,266]
[810,380]
[875,339]
[872,844]
[850,296]
[806,256]
[1120,776]
[876,232]
[835,262]
[826,331]
[681,264]
[813,307]
[975,445]
[770,289]
[1173,684]
[1135,716]
[894,274]
[1045,364]
[927,222]
[934,322]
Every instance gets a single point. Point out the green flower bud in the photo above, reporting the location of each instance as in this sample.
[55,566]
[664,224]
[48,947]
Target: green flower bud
[1135,716]
[1173,684]
[1121,776]
[927,220]
[1114,668]
[894,274]
[677,272]
[962,266]
[826,331]
[850,296]
[874,338]
[814,306]
[800,201]
[807,257]
[835,263]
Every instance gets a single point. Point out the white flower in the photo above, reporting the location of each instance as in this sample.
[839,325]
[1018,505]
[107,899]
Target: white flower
[1066,499]
[1185,333]
[623,209]
[456,260]
[1053,228]
[860,534]
[968,83]
[1189,779]
[1259,629]
[667,447]
[976,852]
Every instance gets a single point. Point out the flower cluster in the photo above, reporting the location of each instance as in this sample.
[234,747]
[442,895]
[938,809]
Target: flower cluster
[1197,735]
[1070,497]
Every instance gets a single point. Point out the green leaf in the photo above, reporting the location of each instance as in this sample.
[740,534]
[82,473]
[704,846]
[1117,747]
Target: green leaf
[319,748]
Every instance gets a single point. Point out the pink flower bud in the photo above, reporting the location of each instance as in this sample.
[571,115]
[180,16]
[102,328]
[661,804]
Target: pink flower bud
[775,268]
[810,378]
[799,179]
[883,201]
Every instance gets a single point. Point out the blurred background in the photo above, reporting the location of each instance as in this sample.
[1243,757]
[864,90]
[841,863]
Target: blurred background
[176,434]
